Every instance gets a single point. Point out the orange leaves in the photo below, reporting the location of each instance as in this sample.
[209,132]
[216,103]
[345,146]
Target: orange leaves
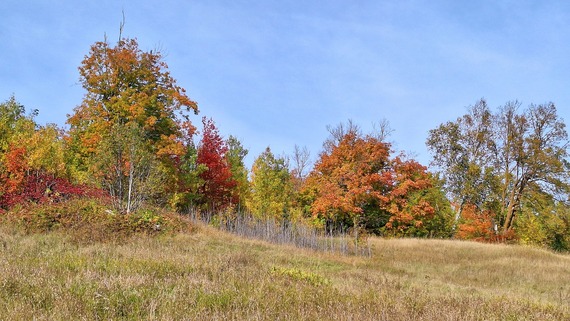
[408,207]
[477,224]
[126,85]
[356,181]
[349,176]
[15,168]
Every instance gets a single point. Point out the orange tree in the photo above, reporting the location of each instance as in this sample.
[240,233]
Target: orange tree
[408,208]
[130,89]
[355,183]
[351,179]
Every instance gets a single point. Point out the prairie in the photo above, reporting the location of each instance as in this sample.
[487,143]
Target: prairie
[213,275]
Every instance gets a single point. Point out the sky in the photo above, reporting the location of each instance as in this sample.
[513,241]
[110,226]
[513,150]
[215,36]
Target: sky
[277,72]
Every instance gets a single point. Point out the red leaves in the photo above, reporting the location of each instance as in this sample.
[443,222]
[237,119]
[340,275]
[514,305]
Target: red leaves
[44,188]
[218,181]
[20,184]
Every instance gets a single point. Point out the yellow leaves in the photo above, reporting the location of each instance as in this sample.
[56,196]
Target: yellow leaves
[169,146]
[151,121]
[47,151]
[271,186]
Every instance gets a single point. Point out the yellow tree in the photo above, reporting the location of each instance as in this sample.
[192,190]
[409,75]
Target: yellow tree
[271,186]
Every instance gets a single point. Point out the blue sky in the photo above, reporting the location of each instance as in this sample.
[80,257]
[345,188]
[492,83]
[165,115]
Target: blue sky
[276,73]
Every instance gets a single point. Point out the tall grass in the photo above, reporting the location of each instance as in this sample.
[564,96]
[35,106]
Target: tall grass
[214,275]
[297,234]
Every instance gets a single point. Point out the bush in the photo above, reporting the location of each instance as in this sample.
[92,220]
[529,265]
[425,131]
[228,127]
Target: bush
[91,220]
[43,188]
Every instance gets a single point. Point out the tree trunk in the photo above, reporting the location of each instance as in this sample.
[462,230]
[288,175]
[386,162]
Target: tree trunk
[514,201]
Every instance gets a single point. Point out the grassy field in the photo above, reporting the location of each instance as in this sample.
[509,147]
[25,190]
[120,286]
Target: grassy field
[211,275]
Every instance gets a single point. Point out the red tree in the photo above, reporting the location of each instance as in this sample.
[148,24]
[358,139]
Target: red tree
[218,180]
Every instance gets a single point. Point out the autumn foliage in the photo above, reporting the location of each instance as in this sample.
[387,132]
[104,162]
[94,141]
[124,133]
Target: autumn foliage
[356,183]
[217,177]
[131,139]
[353,175]
[21,183]
[125,84]
[409,209]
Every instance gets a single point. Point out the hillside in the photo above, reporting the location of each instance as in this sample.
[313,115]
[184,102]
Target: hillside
[209,275]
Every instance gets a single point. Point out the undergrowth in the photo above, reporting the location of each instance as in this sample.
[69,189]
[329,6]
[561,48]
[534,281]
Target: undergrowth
[92,220]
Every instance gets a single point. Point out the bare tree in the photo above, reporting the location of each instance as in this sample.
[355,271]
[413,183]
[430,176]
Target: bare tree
[338,132]
[382,130]
[301,162]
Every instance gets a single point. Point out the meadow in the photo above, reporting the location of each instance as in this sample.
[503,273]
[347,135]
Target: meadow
[207,274]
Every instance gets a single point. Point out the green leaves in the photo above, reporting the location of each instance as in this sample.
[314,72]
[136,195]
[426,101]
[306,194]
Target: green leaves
[489,159]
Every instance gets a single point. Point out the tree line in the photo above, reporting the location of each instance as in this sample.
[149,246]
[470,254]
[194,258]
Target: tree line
[497,175]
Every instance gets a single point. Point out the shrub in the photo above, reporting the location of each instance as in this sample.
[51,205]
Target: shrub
[91,220]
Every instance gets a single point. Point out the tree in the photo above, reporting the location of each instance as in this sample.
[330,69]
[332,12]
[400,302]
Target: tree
[533,149]
[351,176]
[15,127]
[187,194]
[128,171]
[32,160]
[409,207]
[301,158]
[217,177]
[271,186]
[126,87]
[356,183]
[462,152]
[14,121]
[489,160]
[235,158]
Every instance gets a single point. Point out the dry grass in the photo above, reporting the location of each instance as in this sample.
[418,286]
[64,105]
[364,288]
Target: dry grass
[212,275]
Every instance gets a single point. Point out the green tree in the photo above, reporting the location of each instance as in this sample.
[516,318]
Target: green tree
[128,171]
[235,158]
[14,121]
[489,160]
[462,150]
